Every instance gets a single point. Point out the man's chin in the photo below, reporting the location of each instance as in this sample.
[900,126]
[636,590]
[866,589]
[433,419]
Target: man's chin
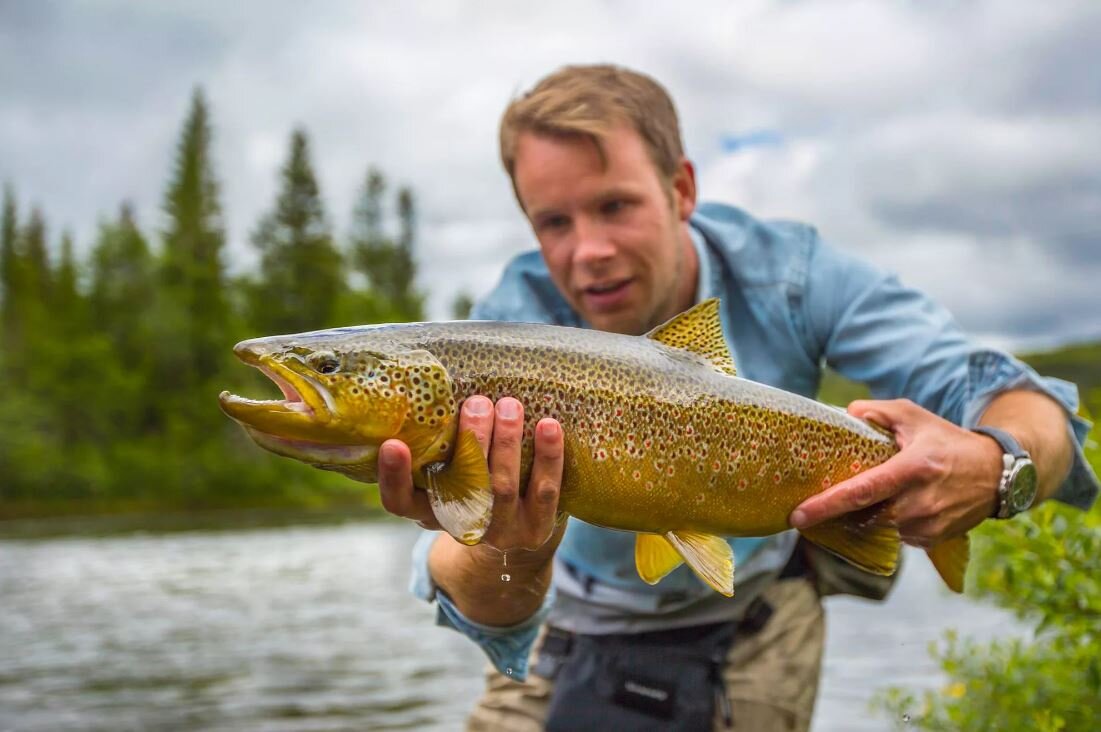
[622,322]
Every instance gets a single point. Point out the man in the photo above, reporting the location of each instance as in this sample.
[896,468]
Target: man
[597,166]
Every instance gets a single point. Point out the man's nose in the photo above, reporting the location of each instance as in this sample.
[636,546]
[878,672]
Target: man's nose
[592,244]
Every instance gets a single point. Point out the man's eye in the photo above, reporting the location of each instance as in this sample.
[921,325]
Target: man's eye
[613,207]
[553,222]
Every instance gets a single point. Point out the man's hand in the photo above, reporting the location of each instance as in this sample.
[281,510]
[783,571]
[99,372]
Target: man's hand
[523,522]
[941,484]
[519,521]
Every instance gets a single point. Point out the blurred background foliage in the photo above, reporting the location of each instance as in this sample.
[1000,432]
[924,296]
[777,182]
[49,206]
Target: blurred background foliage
[112,362]
[1043,566]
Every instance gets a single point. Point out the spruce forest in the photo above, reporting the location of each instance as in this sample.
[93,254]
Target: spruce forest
[112,363]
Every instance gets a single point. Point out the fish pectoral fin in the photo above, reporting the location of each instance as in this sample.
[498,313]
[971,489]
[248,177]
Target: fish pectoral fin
[655,557]
[699,331]
[709,556]
[459,491]
[950,559]
[868,546]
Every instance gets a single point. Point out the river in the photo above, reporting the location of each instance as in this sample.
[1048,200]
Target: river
[312,628]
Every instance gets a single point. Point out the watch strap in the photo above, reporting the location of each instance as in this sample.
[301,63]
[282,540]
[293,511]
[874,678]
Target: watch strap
[1009,443]
[1012,452]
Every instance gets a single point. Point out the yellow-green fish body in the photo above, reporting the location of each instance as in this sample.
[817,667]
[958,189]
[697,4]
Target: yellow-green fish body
[661,437]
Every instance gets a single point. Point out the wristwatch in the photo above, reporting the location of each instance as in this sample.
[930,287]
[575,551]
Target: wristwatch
[1017,487]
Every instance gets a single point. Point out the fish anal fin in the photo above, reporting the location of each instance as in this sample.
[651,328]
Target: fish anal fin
[869,546]
[709,556]
[459,491]
[950,559]
[655,557]
[700,331]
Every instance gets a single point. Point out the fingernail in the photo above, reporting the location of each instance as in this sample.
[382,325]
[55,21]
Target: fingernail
[477,406]
[389,457]
[548,429]
[509,408]
[798,519]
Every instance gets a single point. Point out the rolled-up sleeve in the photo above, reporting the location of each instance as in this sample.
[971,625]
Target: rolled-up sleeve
[990,373]
[507,648]
[871,328]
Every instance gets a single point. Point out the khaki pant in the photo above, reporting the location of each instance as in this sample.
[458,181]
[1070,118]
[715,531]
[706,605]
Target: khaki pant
[771,676]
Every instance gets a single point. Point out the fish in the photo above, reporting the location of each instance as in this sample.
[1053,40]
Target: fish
[662,437]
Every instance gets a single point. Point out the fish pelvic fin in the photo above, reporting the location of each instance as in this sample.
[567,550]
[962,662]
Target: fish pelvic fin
[699,331]
[868,546]
[655,557]
[709,556]
[459,491]
[950,559]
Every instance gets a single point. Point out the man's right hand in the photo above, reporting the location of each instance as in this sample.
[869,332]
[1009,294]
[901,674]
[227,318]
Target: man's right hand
[523,523]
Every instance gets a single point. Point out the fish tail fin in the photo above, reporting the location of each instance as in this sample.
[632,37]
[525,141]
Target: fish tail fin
[950,559]
[459,491]
[868,546]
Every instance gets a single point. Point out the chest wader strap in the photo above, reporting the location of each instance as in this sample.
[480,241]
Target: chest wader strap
[662,681]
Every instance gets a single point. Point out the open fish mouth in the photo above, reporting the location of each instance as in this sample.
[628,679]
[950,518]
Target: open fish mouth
[306,406]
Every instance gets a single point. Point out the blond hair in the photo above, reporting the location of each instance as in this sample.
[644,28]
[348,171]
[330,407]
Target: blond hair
[589,101]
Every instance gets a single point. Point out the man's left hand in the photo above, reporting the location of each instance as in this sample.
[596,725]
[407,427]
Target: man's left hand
[942,482]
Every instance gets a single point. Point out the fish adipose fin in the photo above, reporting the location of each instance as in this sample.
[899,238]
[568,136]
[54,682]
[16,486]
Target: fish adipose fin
[709,556]
[655,557]
[950,558]
[459,491]
[700,331]
[868,546]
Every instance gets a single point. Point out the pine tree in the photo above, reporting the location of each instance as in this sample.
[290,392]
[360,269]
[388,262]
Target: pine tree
[35,253]
[403,283]
[9,270]
[65,302]
[301,269]
[461,306]
[123,286]
[388,264]
[193,272]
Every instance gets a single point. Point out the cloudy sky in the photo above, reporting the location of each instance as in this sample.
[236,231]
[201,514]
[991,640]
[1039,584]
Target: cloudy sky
[957,143]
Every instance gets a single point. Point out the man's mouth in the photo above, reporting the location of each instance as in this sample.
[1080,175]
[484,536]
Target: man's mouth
[606,295]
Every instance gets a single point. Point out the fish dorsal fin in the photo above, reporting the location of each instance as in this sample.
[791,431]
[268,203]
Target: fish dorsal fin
[709,556]
[700,331]
[867,545]
[950,558]
[459,491]
[655,557]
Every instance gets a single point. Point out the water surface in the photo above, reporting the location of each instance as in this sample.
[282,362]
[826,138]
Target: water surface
[312,628]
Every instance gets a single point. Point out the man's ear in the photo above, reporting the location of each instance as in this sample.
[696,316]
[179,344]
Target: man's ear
[684,189]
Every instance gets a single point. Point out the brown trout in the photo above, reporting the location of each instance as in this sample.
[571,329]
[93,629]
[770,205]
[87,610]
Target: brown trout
[661,437]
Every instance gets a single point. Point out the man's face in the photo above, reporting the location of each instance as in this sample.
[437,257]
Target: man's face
[612,232]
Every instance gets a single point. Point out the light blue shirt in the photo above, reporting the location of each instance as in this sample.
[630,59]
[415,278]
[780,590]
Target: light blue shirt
[790,303]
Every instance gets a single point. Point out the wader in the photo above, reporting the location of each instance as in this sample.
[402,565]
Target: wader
[759,674]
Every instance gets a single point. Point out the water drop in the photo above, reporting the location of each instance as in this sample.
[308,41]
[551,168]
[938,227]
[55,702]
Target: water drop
[906,718]
[506,578]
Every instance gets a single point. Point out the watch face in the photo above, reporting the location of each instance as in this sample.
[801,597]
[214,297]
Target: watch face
[1022,485]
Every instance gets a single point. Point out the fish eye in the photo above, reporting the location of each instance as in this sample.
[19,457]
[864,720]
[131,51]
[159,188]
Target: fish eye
[324,363]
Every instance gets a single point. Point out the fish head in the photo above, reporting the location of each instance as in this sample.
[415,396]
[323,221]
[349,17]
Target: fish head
[343,397]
